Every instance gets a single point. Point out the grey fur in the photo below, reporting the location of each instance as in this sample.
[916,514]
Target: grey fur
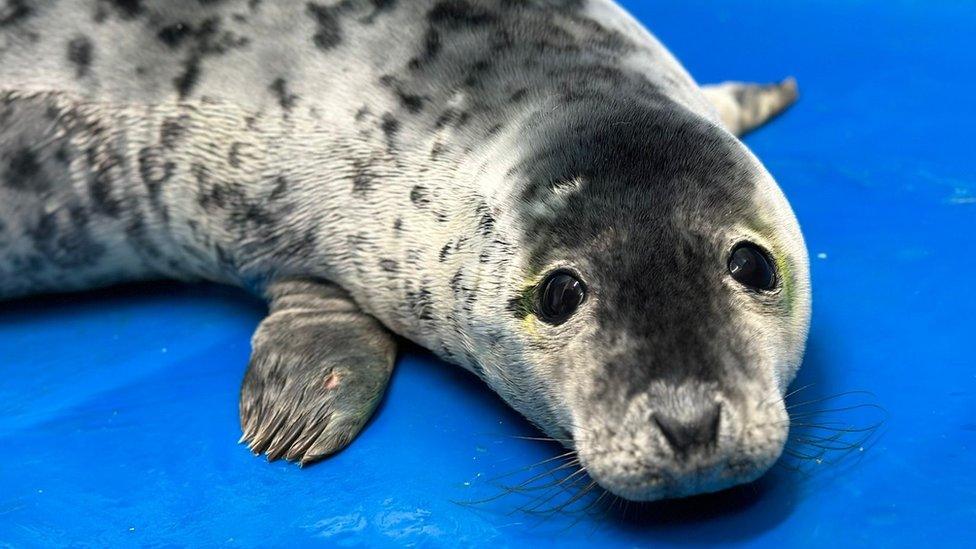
[378,167]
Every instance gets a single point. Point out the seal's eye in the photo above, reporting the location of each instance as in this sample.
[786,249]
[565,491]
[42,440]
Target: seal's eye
[752,267]
[562,293]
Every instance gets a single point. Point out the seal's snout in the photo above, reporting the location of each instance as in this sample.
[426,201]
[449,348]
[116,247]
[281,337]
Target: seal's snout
[696,434]
[679,440]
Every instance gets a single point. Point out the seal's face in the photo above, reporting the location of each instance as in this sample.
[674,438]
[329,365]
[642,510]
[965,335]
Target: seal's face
[667,302]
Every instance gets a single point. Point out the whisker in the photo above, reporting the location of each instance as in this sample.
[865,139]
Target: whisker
[828,445]
[841,409]
[774,398]
[526,485]
[579,495]
[585,512]
[545,439]
[536,504]
[534,465]
[800,455]
[831,427]
[596,502]
[520,488]
[829,398]
[797,390]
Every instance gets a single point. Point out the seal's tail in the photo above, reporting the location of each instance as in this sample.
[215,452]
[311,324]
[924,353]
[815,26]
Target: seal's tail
[744,106]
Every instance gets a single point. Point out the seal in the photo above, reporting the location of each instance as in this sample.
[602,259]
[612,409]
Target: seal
[534,190]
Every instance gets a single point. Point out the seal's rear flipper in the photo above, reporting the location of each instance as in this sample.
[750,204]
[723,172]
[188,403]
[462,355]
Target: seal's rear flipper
[744,107]
[318,369]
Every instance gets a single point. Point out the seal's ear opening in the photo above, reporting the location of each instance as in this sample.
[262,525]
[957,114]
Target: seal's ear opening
[752,267]
[560,295]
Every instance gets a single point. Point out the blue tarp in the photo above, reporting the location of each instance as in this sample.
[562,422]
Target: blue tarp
[118,409]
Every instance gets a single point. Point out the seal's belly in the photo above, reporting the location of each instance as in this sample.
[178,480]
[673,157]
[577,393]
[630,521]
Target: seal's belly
[66,222]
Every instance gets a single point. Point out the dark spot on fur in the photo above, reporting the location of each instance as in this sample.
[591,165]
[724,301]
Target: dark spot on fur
[154,169]
[431,49]
[80,54]
[414,103]
[15,12]
[476,72]
[129,9]
[398,225]
[234,154]
[390,125]
[419,196]
[362,180]
[437,150]
[63,238]
[172,131]
[100,191]
[389,265]
[519,95]
[62,155]
[445,118]
[24,172]
[329,33]
[421,304]
[452,117]
[285,100]
[383,5]
[379,6]
[280,188]
[207,40]
[188,78]
[456,14]
[445,252]
[174,35]
[486,224]
[455,283]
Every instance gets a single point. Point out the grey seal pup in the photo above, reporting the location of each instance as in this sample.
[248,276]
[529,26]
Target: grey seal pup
[534,190]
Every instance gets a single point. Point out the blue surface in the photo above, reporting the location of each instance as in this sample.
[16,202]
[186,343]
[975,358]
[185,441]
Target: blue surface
[118,412]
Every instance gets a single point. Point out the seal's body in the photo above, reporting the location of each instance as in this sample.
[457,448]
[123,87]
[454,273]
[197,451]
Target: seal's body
[534,190]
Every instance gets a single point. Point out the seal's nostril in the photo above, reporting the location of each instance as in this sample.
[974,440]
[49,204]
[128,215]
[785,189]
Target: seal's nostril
[683,436]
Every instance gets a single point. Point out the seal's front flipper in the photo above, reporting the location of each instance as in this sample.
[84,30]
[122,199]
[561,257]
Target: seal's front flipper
[744,107]
[319,367]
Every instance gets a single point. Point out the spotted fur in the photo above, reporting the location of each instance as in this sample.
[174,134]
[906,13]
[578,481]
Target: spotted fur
[382,166]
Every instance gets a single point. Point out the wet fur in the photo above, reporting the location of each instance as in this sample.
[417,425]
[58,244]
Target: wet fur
[415,167]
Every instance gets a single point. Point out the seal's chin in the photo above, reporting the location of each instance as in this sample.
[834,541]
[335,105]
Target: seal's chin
[647,482]
[642,463]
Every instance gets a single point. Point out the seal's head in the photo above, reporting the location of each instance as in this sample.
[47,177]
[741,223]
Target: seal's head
[662,303]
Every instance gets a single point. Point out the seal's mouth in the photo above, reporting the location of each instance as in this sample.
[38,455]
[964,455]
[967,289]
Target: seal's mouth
[652,483]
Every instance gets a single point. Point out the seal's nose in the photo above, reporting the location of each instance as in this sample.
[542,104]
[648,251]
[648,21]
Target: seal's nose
[698,432]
